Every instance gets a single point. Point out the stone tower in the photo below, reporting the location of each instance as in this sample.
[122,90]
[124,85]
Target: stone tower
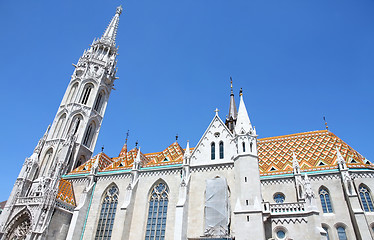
[248,206]
[66,144]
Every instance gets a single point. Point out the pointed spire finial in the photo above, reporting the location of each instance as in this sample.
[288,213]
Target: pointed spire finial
[176,137]
[324,119]
[216,111]
[102,148]
[136,143]
[231,85]
[110,33]
[241,92]
[127,136]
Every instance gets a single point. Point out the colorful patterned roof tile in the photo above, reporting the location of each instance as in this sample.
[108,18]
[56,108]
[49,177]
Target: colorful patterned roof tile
[104,161]
[314,150]
[126,160]
[171,155]
[65,192]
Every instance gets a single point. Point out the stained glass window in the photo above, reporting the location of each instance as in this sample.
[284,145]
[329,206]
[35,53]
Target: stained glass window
[221,150]
[107,214]
[279,198]
[325,200]
[158,207]
[366,199]
[213,151]
[341,233]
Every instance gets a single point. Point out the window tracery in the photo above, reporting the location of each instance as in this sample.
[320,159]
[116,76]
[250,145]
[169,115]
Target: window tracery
[158,205]
[365,198]
[325,200]
[107,214]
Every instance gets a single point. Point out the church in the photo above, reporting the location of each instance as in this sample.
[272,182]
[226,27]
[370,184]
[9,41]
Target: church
[231,185]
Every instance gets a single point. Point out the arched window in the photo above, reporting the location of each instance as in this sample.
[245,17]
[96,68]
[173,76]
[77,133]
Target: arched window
[366,199]
[279,198]
[221,153]
[89,135]
[243,145]
[327,232]
[158,207]
[72,92]
[107,214]
[86,93]
[99,102]
[75,123]
[213,151]
[325,200]
[341,233]
[46,160]
[250,146]
[59,126]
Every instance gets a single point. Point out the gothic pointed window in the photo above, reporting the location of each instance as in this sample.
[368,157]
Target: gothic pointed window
[107,214]
[342,235]
[365,198]
[46,160]
[59,126]
[99,101]
[221,153]
[157,211]
[72,93]
[89,135]
[325,200]
[243,145]
[213,151]
[86,93]
[251,146]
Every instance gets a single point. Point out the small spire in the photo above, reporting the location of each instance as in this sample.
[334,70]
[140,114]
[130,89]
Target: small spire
[136,144]
[340,160]
[241,92]
[187,152]
[242,122]
[102,148]
[124,148]
[232,110]
[176,138]
[295,163]
[216,111]
[324,119]
[110,33]
[232,92]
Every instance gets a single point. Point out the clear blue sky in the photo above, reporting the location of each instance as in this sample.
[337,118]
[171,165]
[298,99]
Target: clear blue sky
[295,60]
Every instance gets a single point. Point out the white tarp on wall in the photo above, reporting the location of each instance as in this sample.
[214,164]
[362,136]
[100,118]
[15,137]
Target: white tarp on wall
[216,207]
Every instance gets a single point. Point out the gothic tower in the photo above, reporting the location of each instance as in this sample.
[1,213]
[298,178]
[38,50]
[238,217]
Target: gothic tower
[248,206]
[68,143]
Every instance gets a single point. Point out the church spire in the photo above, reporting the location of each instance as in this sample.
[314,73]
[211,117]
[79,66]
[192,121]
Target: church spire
[243,124]
[231,119]
[110,34]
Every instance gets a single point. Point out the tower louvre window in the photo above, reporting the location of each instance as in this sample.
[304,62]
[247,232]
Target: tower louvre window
[107,214]
[157,212]
[221,152]
[86,94]
[213,151]
[365,198]
[89,135]
[59,126]
[72,92]
[325,200]
[98,102]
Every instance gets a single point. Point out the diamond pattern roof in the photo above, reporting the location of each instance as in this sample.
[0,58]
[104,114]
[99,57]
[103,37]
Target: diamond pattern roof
[65,192]
[314,150]
[104,161]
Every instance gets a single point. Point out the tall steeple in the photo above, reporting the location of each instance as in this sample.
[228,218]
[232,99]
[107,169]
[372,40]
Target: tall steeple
[110,34]
[69,142]
[231,118]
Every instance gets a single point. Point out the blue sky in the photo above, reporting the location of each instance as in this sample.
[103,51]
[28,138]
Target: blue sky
[296,61]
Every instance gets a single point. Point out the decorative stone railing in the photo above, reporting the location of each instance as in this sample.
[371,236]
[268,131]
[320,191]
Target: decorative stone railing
[29,200]
[65,206]
[287,208]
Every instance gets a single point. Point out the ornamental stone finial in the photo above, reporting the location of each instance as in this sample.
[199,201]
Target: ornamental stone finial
[119,10]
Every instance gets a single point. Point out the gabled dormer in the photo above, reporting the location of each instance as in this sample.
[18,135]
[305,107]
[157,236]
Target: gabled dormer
[215,146]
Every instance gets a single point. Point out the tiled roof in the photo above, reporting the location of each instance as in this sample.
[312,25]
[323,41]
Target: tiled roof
[104,161]
[66,193]
[126,160]
[315,151]
[171,155]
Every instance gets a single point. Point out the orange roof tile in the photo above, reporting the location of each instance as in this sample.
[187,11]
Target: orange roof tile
[315,151]
[104,161]
[65,192]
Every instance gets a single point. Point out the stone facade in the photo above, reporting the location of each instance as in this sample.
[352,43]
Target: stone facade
[231,185]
